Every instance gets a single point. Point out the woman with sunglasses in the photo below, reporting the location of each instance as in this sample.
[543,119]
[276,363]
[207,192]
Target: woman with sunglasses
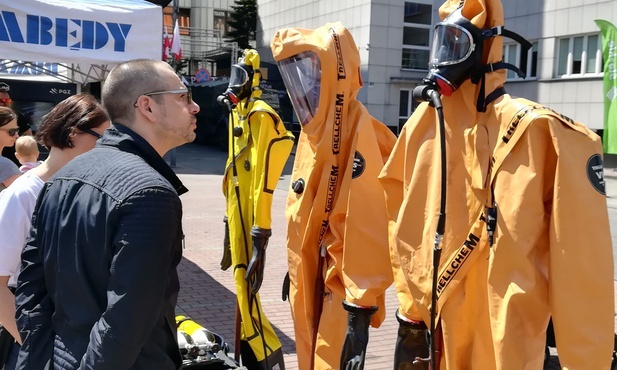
[24,121]
[69,130]
[8,134]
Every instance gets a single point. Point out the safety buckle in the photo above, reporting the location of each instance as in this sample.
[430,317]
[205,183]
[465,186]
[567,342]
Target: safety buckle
[492,32]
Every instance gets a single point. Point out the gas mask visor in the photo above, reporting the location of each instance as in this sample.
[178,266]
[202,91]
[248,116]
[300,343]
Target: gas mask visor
[239,76]
[301,74]
[240,82]
[452,44]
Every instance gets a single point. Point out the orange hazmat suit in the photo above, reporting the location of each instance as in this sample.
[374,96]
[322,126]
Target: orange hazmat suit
[336,208]
[551,253]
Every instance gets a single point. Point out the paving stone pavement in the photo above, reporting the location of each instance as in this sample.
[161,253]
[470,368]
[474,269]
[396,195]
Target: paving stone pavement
[208,294]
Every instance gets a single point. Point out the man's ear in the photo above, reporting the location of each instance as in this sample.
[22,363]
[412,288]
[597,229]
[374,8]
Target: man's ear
[144,106]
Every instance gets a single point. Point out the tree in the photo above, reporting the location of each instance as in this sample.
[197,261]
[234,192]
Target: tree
[243,23]
[179,65]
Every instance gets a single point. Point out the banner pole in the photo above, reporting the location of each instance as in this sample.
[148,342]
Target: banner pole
[174,18]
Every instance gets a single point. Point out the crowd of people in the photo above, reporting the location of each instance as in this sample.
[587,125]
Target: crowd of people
[90,238]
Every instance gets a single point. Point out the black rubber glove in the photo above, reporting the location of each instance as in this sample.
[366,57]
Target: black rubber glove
[356,338]
[285,290]
[255,269]
[226,260]
[411,343]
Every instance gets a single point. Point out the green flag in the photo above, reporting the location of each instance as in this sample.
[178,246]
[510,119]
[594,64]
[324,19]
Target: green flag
[609,54]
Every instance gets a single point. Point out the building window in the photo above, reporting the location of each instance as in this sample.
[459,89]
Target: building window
[406,107]
[221,22]
[416,35]
[184,20]
[579,56]
[512,53]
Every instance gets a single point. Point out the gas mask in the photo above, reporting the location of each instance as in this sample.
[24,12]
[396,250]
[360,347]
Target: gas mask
[301,74]
[456,55]
[240,82]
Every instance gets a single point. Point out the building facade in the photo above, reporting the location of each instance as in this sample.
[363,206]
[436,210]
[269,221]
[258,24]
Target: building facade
[204,25]
[564,67]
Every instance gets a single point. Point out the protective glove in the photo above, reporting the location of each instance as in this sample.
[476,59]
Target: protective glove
[411,343]
[226,260]
[255,269]
[285,290]
[356,337]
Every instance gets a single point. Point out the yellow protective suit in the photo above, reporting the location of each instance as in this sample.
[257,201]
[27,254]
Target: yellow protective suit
[552,253]
[259,154]
[339,155]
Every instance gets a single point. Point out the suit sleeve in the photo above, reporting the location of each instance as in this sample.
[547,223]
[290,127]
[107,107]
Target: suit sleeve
[392,178]
[581,287]
[366,267]
[273,145]
[149,225]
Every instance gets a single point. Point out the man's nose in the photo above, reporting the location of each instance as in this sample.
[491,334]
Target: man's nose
[194,108]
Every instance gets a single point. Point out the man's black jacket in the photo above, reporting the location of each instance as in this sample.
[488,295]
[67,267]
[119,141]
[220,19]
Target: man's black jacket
[98,285]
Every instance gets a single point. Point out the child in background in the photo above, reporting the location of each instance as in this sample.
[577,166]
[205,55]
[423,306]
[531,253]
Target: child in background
[27,152]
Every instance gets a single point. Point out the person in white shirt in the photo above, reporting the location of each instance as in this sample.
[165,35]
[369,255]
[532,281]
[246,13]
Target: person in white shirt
[70,129]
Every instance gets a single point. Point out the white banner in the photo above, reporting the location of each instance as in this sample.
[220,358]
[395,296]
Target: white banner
[38,71]
[80,31]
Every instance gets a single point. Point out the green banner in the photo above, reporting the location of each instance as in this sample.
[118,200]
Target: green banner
[609,54]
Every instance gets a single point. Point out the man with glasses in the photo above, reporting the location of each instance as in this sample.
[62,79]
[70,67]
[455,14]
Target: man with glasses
[99,284]
[24,122]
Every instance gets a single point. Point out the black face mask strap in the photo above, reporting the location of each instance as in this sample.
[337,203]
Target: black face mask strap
[491,67]
[525,46]
[482,102]
[480,74]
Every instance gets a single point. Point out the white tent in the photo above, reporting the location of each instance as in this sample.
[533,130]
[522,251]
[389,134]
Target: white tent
[76,40]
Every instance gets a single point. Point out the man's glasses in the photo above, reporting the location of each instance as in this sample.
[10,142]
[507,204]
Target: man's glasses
[6,101]
[187,92]
[91,132]
[11,131]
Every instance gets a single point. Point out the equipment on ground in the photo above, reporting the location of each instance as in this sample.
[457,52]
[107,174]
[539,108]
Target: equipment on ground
[202,349]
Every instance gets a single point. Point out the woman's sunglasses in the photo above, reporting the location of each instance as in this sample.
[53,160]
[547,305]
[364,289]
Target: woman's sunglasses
[91,132]
[11,131]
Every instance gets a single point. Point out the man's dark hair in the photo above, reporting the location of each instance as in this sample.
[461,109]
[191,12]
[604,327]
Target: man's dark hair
[129,80]
[4,87]
[81,111]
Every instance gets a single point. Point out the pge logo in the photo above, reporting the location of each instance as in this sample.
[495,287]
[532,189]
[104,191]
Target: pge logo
[53,90]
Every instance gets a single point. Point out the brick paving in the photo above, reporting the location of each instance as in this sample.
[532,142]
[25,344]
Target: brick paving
[208,294]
